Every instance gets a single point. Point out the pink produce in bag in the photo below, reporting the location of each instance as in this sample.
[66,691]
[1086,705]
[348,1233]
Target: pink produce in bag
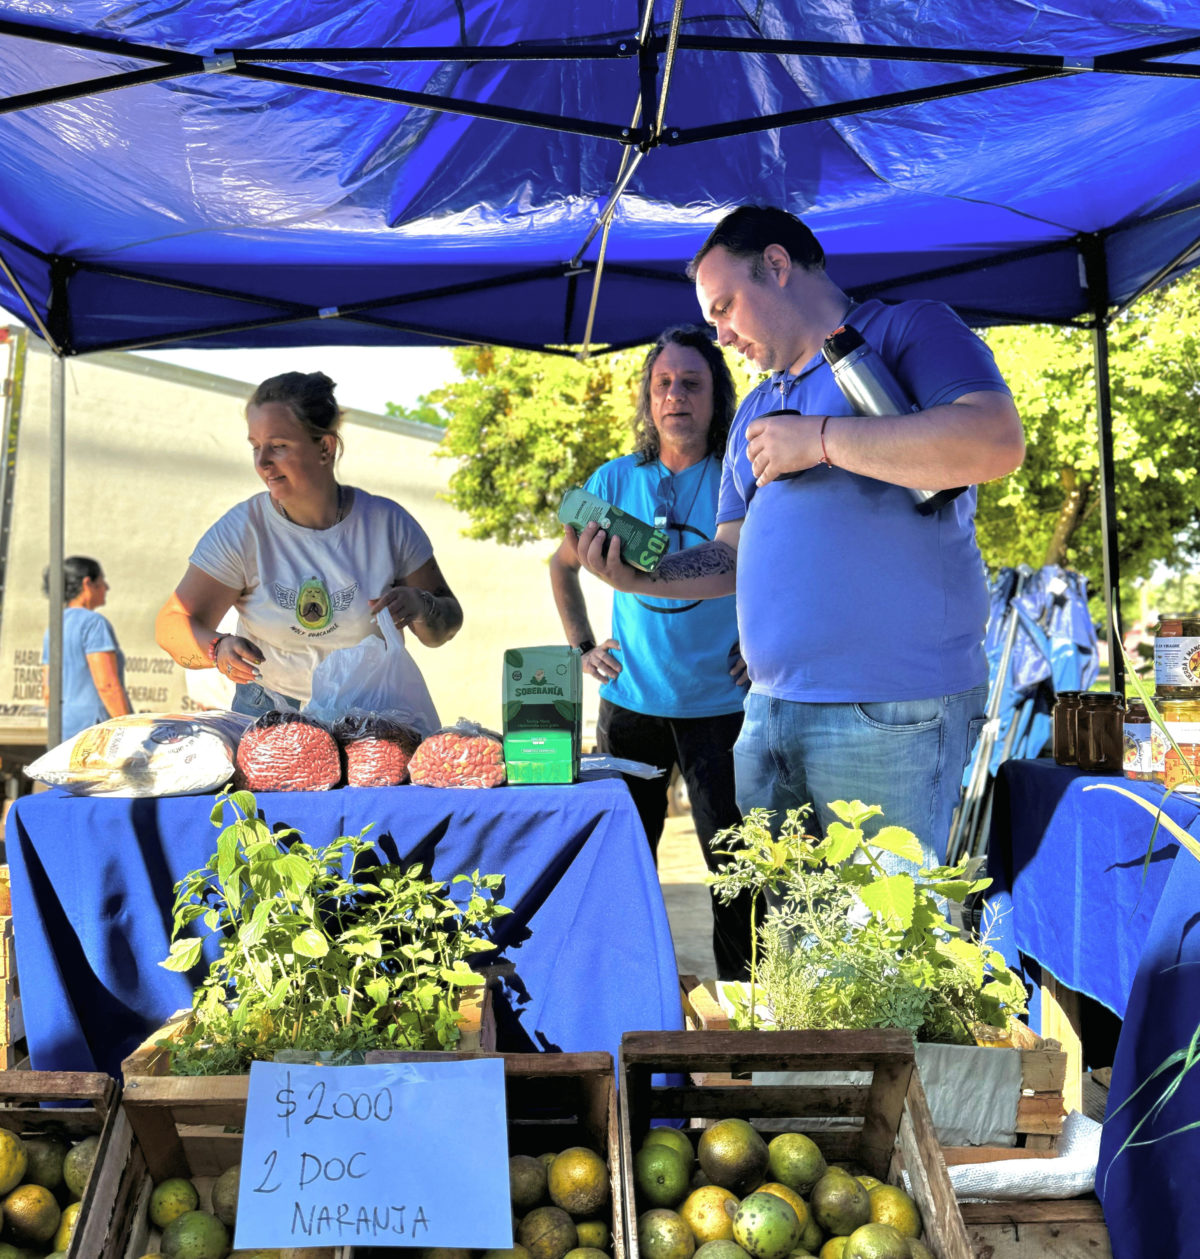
[375,676]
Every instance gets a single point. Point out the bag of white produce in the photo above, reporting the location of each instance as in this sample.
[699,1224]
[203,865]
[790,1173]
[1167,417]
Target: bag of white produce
[146,754]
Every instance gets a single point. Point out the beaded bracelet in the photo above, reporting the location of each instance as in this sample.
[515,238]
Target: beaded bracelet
[214,646]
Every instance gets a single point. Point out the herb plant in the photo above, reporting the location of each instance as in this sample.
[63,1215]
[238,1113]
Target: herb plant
[847,944]
[320,947]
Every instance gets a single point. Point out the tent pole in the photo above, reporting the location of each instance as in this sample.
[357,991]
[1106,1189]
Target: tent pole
[1097,281]
[58,429]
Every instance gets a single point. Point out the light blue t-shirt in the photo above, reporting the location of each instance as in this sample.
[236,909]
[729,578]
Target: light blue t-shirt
[845,593]
[675,655]
[84,632]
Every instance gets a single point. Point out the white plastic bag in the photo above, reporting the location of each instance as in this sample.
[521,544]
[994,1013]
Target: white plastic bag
[376,676]
[146,754]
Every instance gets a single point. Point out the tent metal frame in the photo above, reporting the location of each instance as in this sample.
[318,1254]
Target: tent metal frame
[645,48]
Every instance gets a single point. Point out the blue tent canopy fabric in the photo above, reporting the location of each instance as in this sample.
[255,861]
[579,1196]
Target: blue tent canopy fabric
[290,172]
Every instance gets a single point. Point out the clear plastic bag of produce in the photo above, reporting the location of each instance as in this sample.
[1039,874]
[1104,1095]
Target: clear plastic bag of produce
[375,676]
[462,755]
[377,747]
[288,751]
[146,754]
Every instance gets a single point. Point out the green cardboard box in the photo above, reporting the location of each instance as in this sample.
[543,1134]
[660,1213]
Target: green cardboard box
[543,714]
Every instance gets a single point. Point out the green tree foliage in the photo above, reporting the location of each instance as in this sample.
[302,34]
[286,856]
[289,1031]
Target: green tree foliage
[1049,511]
[525,427]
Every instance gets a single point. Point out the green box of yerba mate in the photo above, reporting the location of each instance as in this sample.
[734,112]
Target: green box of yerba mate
[543,714]
[642,545]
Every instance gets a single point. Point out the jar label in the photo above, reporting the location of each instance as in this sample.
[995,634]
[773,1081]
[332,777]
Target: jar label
[1139,749]
[1177,661]
[1182,773]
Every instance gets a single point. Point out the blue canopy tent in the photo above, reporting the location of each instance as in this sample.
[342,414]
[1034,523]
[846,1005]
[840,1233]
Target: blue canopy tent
[298,172]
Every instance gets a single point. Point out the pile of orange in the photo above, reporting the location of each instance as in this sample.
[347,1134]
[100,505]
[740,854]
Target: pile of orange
[723,1192]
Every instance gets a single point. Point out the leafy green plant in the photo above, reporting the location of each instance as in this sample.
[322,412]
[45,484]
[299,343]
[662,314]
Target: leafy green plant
[849,944]
[320,947]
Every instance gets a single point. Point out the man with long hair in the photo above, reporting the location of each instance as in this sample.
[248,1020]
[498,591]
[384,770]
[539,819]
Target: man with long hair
[671,673]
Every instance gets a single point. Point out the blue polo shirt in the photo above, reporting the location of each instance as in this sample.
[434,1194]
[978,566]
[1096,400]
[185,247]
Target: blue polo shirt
[845,593]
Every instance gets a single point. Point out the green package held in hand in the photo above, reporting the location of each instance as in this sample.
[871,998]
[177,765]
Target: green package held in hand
[642,545]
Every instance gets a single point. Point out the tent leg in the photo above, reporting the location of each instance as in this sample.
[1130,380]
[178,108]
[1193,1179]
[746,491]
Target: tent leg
[1097,279]
[58,429]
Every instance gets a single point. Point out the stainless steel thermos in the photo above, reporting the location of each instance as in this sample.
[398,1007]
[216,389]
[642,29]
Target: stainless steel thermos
[871,389]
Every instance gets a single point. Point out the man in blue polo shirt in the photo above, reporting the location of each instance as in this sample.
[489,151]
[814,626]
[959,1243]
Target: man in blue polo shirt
[861,621]
[671,676]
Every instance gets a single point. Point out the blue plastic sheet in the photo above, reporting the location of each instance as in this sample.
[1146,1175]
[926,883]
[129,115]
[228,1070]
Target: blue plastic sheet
[231,200]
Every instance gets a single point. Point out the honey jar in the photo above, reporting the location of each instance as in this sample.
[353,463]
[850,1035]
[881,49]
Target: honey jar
[1100,734]
[1139,743]
[1181,768]
[1063,737]
[1177,655]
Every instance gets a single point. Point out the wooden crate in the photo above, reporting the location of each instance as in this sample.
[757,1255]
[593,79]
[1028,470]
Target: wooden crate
[1058,1228]
[476,1025]
[556,1101]
[91,1110]
[192,1126]
[1040,1112]
[13,1051]
[882,1126]
[171,1126]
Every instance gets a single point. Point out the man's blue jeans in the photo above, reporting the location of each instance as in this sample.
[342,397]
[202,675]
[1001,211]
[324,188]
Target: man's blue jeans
[906,756]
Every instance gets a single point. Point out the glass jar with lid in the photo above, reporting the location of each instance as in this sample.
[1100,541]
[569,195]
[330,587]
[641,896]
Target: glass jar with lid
[1100,735]
[1139,744]
[1181,768]
[1063,737]
[1177,654]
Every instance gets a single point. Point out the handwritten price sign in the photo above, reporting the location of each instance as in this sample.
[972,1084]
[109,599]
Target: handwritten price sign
[402,1154]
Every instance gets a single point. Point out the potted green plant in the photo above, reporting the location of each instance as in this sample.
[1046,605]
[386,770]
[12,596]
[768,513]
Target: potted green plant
[320,947]
[847,943]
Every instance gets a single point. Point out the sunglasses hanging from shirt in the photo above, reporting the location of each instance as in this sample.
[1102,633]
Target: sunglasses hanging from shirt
[871,389]
[664,497]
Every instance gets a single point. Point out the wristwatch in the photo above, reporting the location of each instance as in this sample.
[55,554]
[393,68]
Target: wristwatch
[586,646]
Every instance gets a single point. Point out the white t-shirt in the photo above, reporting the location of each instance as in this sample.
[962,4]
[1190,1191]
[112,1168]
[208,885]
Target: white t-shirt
[306,590]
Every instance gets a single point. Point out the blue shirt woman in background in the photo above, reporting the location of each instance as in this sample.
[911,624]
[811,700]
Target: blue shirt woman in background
[93,663]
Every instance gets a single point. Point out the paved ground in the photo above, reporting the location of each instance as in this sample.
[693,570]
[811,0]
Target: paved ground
[681,872]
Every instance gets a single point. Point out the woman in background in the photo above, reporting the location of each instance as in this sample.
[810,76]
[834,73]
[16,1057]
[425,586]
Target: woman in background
[308,564]
[93,663]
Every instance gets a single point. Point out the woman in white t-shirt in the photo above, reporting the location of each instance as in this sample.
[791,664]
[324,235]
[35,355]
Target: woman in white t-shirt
[308,565]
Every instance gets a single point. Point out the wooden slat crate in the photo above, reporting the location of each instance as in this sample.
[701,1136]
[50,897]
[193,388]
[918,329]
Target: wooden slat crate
[92,1111]
[1054,1228]
[882,1126]
[13,1051]
[476,1025]
[171,1126]
[556,1101]
[192,1126]
[1040,1112]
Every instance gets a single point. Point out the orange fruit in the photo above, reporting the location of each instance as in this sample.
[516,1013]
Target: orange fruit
[578,1181]
[709,1213]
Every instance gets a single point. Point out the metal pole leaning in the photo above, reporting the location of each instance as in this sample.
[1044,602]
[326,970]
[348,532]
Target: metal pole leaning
[956,847]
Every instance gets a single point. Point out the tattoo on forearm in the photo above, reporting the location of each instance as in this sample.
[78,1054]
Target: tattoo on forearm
[698,561]
[439,612]
[195,662]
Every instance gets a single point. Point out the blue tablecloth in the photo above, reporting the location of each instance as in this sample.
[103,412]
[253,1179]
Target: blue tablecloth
[1070,865]
[92,886]
[1069,862]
